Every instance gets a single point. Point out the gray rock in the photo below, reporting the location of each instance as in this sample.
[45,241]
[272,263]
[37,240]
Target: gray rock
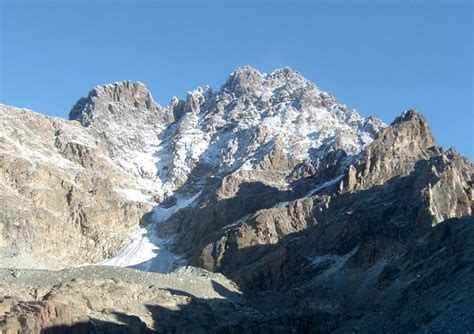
[342,222]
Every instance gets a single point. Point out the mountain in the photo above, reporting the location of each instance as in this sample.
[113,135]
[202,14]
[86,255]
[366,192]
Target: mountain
[347,223]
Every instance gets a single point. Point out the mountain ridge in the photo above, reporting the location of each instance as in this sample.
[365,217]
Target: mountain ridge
[268,181]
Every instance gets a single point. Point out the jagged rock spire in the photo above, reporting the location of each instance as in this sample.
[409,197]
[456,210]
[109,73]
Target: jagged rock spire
[114,101]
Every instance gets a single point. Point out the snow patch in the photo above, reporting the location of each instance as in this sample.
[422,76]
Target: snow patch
[147,251]
[336,262]
[325,185]
[133,195]
[160,213]
[141,249]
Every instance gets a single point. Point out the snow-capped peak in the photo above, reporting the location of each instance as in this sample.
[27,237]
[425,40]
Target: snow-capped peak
[220,132]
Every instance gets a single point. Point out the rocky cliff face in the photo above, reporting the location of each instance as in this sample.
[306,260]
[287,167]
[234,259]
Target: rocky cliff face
[60,202]
[268,180]
[395,192]
[121,154]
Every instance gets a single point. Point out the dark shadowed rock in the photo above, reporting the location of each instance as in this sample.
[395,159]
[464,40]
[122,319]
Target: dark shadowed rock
[325,220]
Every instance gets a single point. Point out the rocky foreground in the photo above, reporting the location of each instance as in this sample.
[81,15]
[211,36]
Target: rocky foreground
[431,293]
[263,207]
[97,299]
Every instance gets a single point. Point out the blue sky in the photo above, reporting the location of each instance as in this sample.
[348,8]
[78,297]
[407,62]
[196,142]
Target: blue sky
[379,57]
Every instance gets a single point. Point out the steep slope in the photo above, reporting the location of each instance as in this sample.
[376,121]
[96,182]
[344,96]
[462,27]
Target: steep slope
[371,250]
[346,223]
[131,154]
[61,202]
[223,132]
[399,188]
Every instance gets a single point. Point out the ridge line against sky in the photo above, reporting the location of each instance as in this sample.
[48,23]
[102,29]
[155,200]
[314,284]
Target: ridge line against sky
[379,57]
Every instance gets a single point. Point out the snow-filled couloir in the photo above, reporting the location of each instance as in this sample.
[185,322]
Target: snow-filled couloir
[214,134]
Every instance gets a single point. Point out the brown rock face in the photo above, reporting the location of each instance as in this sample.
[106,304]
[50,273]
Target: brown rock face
[397,149]
[396,192]
[345,224]
[58,203]
[378,242]
[118,100]
[35,317]
[106,299]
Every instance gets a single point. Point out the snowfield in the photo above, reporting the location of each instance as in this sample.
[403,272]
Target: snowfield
[147,251]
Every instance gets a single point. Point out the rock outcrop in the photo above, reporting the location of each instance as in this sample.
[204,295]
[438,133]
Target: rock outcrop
[396,191]
[104,299]
[350,225]
[122,100]
[59,205]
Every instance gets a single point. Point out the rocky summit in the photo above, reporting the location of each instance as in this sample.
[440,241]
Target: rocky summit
[263,207]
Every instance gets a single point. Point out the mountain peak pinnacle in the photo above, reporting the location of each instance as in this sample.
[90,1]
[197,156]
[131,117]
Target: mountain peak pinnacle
[111,98]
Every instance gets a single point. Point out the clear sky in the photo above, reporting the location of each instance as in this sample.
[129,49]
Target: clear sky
[379,57]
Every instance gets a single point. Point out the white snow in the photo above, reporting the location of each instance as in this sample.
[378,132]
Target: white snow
[147,251]
[160,214]
[312,192]
[141,249]
[133,195]
[222,135]
[325,185]
[337,262]
[247,165]
[238,221]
